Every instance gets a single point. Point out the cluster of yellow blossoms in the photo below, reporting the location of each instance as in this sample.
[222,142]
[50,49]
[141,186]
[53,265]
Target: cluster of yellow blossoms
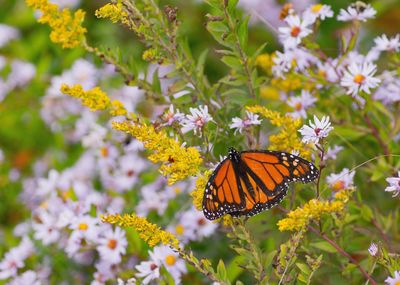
[150,233]
[178,162]
[287,139]
[300,218]
[291,82]
[114,12]
[66,28]
[198,192]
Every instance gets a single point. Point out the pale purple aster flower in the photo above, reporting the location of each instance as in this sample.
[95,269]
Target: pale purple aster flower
[66,3]
[7,34]
[395,280]
[148,270]
[389,91]
[342,180]
[300,104]
[14,259]
[297,29]
[317,11]
[316,130]
[394,185]
[171,261]
[240,124]
[356,11]
[28,277]
[196,120]
[111,245]
[282,64]
[172,116]
[360,78]
[332,152]
[22,72]
[46,230]
[373,249]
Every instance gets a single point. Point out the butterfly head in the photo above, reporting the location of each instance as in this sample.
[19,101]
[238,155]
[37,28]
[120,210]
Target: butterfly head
[233,154]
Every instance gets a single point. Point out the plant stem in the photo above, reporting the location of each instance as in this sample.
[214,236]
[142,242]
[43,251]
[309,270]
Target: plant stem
[243,56]
[344,253]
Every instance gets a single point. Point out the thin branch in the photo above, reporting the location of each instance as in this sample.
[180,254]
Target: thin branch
[344,253]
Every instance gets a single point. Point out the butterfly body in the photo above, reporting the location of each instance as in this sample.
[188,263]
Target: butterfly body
[248,182]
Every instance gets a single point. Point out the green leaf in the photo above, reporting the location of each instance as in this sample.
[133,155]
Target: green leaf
[325,246]
[304,268]
[221,270]
[232,62]
[243,32]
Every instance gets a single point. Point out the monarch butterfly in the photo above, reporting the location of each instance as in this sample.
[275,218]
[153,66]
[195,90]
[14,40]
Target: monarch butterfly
[246,183]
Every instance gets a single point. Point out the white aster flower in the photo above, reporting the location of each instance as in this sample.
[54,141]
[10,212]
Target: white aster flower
[198,223]
[342,180]
[316,130]
[86,227]
[46,229]
[301,103]
[148,270]
[112,244]
[240,124]
[317,11]
[7,34]
[172,116]
[394,185]
[373,249]
[395,280]
[282,64]
[171,261]
[360,77]
[297,29]
[196,121]
[383,43]
[358,11]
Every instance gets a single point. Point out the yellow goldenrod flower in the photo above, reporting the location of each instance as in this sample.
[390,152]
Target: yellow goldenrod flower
[150,233]
[198,192]
[67,30]
[95,99]
[117,108]
[270,92]
[114,12]
[287,139]
[300,218]
[265,62]
[178,162]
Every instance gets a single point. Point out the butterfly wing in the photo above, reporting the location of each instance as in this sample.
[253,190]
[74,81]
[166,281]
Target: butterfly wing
[273,170]
[264,178]
[223,193]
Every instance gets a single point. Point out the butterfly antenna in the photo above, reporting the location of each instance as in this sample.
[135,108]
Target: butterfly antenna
[361,165]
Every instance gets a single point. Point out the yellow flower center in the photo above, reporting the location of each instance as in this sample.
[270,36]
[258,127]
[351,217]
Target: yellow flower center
[359,78]
[112,243]
[398,282]
[322,73]
[316,8]
[338,185]
[295,31]
[83,226]
[177,190]
[298,106]
[179,229]
[104,151]
[170,260]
